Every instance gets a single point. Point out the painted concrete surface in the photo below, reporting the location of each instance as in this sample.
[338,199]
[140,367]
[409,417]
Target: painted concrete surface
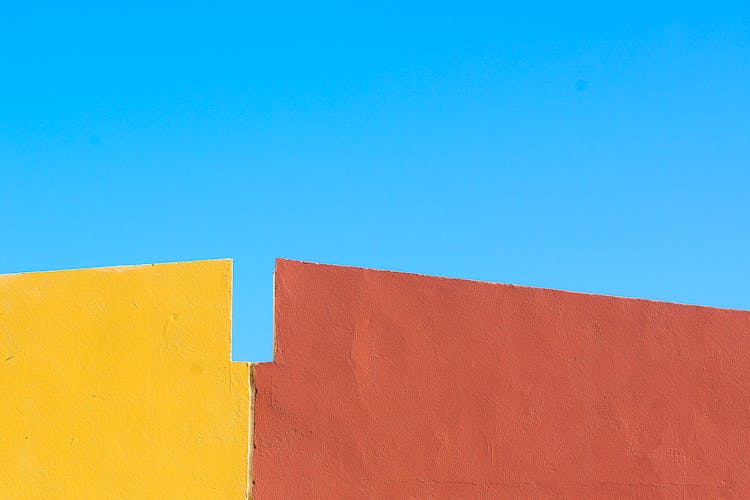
[388,385]
[117,383]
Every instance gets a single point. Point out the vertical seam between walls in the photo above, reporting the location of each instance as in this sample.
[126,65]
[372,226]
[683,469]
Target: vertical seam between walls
[251,430]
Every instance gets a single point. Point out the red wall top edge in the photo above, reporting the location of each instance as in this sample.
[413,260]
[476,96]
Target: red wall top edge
[391,385]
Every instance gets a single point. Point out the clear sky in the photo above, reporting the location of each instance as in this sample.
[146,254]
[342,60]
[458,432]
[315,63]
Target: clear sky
[590,146]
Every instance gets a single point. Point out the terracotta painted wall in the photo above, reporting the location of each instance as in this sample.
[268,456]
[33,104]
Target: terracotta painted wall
[389,385]
[117,383]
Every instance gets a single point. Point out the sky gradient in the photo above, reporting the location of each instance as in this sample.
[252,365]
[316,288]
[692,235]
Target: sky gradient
[589,147]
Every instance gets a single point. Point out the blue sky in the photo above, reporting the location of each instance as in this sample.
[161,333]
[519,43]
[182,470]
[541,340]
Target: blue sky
[587,146]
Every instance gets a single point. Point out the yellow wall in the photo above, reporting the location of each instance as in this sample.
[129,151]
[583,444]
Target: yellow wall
[117,383]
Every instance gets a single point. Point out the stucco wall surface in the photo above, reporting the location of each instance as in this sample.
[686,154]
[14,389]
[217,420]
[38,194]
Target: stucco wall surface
[117,383]
[388,385]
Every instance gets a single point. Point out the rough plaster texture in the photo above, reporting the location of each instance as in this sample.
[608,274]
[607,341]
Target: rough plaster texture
[117,383]
[389,385]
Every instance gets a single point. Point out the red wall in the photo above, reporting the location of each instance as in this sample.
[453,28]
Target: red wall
[389,385]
